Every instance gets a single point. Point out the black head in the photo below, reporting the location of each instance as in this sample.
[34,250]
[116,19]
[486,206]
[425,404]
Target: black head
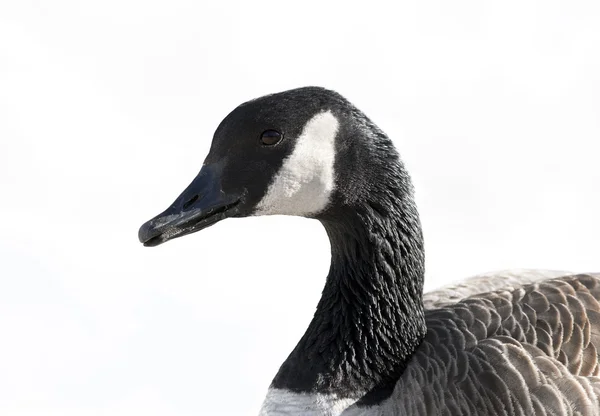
[297,152]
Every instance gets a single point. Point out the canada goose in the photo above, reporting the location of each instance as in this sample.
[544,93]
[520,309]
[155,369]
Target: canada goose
[376,344]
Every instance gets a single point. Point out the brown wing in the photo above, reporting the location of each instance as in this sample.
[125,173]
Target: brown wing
[532,350]
[484,283]
[558,318]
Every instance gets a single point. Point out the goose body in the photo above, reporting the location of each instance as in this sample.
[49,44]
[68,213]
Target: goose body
[501,344]
[526,351]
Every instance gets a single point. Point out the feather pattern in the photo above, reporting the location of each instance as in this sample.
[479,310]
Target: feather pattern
[530,350]
[487,282]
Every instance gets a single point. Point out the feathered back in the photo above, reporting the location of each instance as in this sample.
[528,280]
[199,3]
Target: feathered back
[529,351]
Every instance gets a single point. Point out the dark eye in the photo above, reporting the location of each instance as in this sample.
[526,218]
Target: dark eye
[270,137]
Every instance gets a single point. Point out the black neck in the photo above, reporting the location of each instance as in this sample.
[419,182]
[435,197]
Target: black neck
[370,317]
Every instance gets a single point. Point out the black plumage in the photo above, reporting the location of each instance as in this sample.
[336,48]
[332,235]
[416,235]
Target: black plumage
[501,344]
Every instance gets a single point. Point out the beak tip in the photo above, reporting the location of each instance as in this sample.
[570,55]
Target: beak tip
[201,204]
[144,234]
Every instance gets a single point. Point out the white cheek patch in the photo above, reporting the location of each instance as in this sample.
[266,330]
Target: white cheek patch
[304,183]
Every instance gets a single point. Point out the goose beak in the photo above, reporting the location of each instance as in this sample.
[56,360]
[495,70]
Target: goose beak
[202,204]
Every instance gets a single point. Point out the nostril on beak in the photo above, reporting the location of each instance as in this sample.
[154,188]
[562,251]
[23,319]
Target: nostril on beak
[190,202]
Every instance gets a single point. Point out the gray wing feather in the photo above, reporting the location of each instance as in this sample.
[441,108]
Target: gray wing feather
[524,350]
[483,283]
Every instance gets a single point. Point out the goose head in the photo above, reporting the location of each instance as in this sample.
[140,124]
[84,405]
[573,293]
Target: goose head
[305,152]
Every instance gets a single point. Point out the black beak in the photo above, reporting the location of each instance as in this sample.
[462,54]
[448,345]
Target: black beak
[202,204]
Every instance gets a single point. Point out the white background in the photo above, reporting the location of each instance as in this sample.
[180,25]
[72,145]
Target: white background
[107,110]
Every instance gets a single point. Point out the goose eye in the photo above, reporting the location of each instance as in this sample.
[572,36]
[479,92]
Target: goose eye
[271,137]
